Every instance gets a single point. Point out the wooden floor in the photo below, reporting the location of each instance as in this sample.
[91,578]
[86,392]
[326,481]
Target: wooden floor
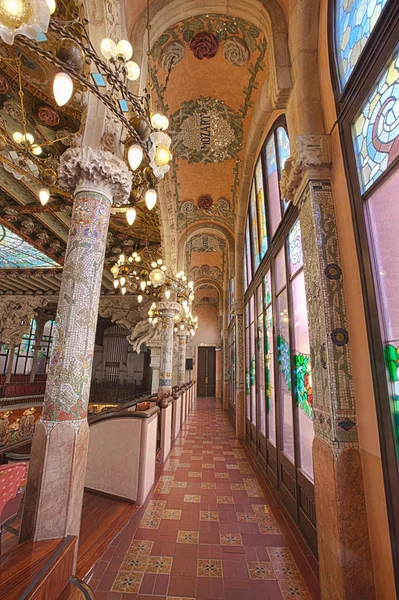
[102,519]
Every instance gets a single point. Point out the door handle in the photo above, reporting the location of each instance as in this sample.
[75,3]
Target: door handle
[206,380]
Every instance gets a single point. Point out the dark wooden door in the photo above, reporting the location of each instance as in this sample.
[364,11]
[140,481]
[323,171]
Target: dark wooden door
[206,373]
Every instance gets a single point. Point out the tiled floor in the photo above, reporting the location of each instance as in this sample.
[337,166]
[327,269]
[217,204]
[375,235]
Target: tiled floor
[210,530]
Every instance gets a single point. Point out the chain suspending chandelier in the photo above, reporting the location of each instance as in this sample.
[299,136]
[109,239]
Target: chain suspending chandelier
[25,24]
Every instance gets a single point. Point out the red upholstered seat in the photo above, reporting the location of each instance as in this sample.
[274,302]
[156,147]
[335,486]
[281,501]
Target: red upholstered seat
[11,479]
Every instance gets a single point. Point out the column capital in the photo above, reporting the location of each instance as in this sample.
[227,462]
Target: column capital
[238,307]
[169,307]
[310,159]
[86,168]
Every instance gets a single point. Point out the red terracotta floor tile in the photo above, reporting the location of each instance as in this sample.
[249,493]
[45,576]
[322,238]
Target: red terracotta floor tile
[221,491]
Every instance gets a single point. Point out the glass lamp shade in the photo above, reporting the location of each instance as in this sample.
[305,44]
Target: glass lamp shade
[123,290]
[108,48]
[37,150]
[132,70]
[139,298]
[162,156]
[158,121]
[62,88]
[44,196]
[18,137]
[29,138]
[131,215]
[23,17]
[135,156]
[124,49]
[151,198]
[116,283]
[52,6]
[157,277]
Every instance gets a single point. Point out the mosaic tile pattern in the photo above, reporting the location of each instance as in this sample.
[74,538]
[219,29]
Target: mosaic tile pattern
[213,539]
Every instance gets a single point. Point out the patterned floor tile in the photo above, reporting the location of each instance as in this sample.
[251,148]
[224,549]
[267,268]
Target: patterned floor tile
[207,466]
[224,499]
[246,518]
[280,556]
[192,498]
[230,539]
[187,537]
[135,564]
[159,564]
[293,590]
[195,474]
[127,582]
[208,515]
[208,486]
[150,522]
[222,475]
[261,570]
[179,484]
[238,487]
[208,567]
[171,514]
[143,547]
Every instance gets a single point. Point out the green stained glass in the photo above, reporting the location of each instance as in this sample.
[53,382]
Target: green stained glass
[15,253]
[376,129]
[391,355]
[354,22]
[283,357]
[303,384]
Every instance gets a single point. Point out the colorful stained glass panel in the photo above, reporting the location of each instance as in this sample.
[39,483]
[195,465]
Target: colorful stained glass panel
[284,152]
[272,185]
[254,230]
[295,248]
[269,376]
[376,129]
[260,201]
[355,20]
[15,253]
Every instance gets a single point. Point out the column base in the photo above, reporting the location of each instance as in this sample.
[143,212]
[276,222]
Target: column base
[54,493]
[342,531]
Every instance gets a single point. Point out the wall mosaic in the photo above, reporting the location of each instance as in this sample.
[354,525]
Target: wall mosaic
[206,271]
[206,243]
[220,212]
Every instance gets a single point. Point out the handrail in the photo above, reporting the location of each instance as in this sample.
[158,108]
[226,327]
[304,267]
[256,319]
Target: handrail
[125,414]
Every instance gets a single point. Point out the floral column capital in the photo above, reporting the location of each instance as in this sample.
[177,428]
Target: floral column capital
[85,168]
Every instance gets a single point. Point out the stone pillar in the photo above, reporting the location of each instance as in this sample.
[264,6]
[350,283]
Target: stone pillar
[59,449]
[238,309]
[11,352]
[40,323]
[167,311]
[155,365]
[342,531]
[181,371]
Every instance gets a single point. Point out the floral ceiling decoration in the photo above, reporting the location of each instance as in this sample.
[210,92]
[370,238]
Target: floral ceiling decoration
[220,212]
[206,272]
[205,202]
[206,243]
[236,51]
[204,45]
[172,55]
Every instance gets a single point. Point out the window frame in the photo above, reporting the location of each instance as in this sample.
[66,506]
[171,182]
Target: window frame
[379,49]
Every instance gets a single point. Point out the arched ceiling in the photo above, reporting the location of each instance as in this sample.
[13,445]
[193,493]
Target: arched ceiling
[206,72]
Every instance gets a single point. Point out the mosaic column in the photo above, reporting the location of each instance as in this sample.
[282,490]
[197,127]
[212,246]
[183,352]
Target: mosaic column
[155,364]
[167,311]
[238,309]
[181,371]
[59,449]
[343,545]
[40,323]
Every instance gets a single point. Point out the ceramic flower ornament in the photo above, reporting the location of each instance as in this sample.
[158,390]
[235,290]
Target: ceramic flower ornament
[159,162]
[23,17]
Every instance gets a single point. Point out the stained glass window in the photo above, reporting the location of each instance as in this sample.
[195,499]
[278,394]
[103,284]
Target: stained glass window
[269,360]
[254,230]
[261,363]
[15,253]
[283,145]
[248,270]
[252,365]
[376,129]
[295,248]
[272,187]
[354,22]
[260,200]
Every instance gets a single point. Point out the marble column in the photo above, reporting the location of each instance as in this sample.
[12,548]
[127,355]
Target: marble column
[181,371]
[342,530]
[59,449]
[40,323]
[167,311]
[238,309]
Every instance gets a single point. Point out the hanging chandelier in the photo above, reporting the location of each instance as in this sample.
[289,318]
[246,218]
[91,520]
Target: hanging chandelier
[147,277]
[25,23]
